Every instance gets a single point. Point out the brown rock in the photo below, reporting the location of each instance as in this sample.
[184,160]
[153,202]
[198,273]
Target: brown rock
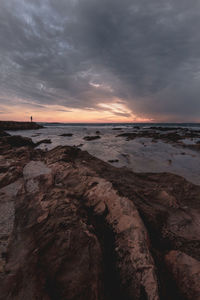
[79,228]
[133,259]
[59,257]
[186,272]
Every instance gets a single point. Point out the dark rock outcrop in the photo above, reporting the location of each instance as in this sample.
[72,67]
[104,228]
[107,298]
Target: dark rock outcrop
[113,160]
[167,137]
[66,134]
[173,135]
[45,141]
[12,125]
[91,138]
[16,141]
[160,128]
[3,133]
[74,227]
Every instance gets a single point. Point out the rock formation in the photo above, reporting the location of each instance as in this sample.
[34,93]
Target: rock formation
[67,134]
[75,227]
[172,135]
[91,138]
[12,125]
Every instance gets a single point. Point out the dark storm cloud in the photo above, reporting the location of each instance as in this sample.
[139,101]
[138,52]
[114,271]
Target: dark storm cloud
[78,53]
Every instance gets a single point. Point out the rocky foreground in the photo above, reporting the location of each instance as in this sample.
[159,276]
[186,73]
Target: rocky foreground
[12,125]
[74,227]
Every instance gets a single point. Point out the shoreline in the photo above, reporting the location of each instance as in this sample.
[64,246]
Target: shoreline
[157,149]
[65,210]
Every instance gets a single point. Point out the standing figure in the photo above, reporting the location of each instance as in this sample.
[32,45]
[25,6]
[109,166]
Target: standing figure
[31,119]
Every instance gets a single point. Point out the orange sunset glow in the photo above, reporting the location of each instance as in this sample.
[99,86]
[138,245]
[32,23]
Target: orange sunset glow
[105,113]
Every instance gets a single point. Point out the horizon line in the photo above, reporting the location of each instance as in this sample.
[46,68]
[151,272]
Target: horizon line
[189,122]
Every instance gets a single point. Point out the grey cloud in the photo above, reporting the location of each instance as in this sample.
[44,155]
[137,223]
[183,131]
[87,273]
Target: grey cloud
[146,53]
[63,110]
[122,114]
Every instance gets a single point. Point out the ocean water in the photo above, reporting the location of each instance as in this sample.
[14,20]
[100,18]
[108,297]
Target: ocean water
[140,154]
[124,125]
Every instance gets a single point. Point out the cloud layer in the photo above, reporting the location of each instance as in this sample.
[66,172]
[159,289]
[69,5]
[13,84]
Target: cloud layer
[89,54]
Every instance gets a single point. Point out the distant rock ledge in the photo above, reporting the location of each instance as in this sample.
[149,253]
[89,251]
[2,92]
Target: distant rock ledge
[12,125]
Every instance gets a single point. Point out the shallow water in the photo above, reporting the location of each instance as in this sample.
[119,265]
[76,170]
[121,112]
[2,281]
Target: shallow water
[140,154]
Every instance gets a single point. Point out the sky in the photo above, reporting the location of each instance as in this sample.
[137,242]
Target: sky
[100,60]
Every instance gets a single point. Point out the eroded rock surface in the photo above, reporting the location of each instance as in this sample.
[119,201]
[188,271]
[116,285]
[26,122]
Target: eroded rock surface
[186,272]
[78,228]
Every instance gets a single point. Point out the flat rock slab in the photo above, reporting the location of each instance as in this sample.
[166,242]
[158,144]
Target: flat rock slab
[7,215]
[34,169]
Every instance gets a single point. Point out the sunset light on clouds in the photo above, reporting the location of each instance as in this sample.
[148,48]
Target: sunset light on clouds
[100,61]
[110,112]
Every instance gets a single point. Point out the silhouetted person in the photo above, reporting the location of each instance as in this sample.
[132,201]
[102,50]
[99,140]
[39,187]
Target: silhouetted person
[31,119]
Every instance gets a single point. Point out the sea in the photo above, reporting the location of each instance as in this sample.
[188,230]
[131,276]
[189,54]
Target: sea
[139,155]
